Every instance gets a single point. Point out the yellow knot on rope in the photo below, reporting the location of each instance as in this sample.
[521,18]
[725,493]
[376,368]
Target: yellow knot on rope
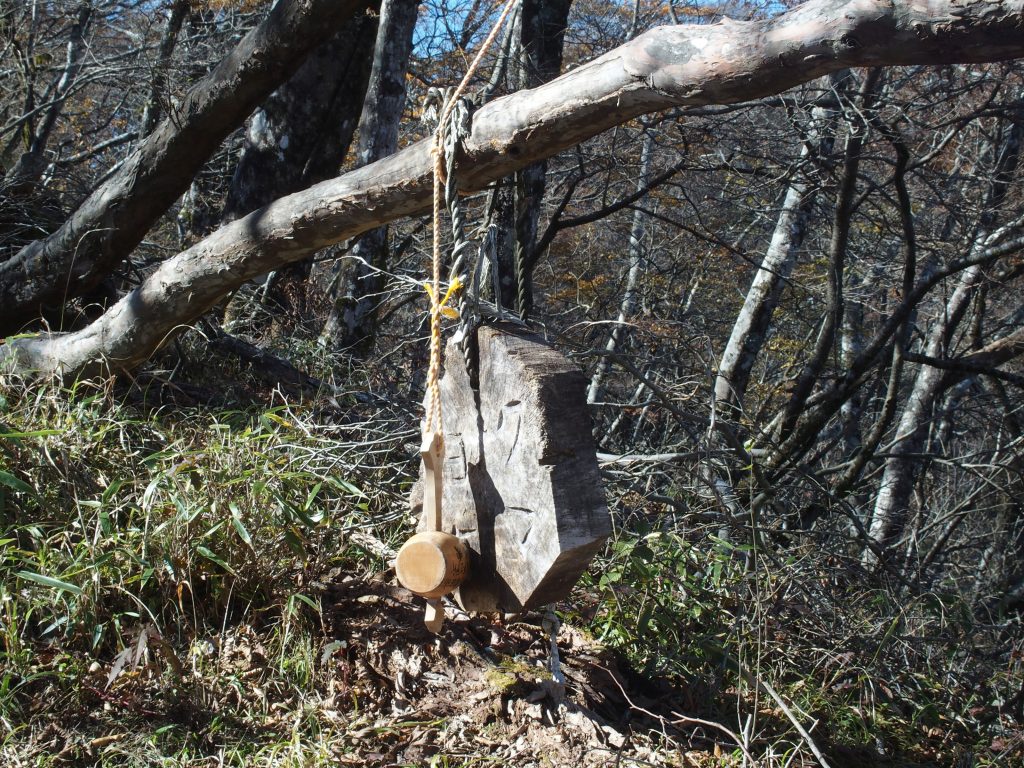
[443,305]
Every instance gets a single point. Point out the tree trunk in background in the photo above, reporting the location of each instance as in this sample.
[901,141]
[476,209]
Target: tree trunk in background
[300,136]
[851,345]
[636,258]
[105,228]
[151,113]
[751,327]
[753,322]
[540,30]
[351,322]
[811,373]
[543,39]
[22,178]
[893,500]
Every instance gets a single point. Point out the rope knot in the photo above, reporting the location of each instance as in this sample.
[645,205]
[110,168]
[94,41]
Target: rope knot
[453,126]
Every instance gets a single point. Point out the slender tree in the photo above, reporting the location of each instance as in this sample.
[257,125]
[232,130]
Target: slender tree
[354,293]
[893,499]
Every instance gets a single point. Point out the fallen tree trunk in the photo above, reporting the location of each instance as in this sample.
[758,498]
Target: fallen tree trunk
[728,62]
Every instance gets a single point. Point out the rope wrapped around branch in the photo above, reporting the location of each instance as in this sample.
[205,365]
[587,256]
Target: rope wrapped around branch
[444,161]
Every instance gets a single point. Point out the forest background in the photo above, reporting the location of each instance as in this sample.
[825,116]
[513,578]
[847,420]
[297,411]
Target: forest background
[792,291]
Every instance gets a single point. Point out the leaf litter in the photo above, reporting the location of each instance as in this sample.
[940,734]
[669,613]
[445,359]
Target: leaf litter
[376,689]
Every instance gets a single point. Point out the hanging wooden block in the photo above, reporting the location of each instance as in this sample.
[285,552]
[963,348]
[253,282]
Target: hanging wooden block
[521,482]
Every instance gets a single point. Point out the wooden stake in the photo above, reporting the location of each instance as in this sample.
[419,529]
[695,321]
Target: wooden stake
[434,616]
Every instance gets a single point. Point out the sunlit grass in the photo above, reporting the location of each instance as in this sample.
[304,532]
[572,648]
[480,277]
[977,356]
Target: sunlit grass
[133,546]
[161,603]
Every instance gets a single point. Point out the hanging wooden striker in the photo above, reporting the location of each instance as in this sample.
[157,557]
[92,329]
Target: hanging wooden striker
[521,487]
[432,563]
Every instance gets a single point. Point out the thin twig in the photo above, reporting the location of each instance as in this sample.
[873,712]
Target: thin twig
[684,719]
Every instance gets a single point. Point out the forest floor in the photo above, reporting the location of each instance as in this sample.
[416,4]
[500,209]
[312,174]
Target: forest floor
[374,688]
[287,642]
[380,691]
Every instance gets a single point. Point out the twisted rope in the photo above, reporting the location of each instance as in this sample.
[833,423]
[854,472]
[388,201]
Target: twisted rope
[433,415]
[520,212]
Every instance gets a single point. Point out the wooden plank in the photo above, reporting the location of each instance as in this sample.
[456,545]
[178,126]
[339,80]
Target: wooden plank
[521,481]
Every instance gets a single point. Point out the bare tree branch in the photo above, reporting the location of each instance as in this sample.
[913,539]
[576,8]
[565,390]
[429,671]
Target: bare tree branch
[668,66]
[119,213]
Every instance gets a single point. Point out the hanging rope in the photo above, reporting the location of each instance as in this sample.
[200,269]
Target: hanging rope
[520,214]
[437,302]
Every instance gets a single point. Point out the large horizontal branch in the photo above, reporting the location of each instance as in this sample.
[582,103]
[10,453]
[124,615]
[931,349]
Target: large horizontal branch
[724,63]
[115,218]
[985,360]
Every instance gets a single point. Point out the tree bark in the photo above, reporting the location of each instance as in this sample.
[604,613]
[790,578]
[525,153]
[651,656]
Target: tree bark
[300,135]
[695,65]
[352,319]
[118,214]
[542,25]
[897,482]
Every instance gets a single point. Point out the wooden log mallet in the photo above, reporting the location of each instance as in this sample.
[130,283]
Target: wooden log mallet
[432,563]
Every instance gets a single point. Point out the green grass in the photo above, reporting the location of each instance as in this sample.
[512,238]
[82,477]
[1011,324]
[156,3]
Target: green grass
[181,524]
[664,600]
[127,519]
[160,598]
[873,669]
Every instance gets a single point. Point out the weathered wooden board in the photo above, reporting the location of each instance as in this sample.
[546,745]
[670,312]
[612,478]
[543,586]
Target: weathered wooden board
[521,482]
